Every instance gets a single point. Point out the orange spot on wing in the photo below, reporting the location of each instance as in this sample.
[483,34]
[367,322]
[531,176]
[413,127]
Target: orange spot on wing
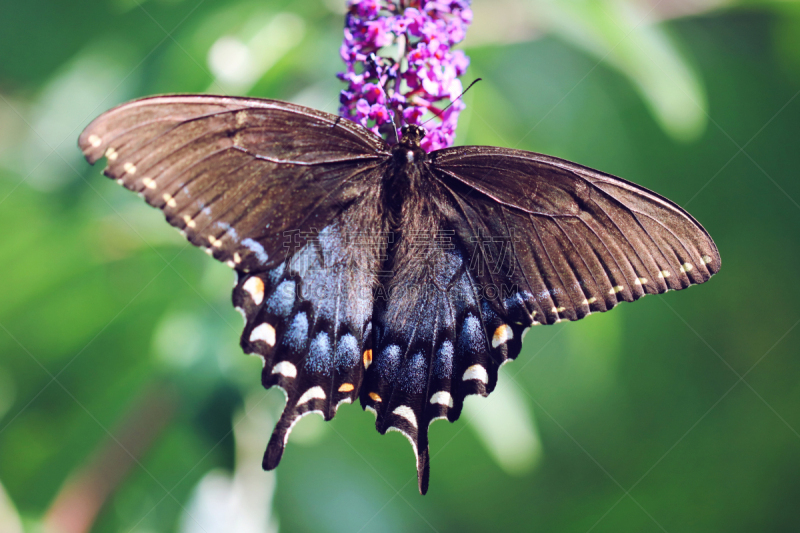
[367,359]
[375,397]
[346,387]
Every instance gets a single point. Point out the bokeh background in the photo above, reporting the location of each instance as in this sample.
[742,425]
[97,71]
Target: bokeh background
[126,404]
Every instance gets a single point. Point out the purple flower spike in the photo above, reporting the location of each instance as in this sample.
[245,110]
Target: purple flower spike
[399,64]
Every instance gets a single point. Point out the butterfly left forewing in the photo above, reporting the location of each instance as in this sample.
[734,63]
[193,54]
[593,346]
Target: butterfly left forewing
[235,174]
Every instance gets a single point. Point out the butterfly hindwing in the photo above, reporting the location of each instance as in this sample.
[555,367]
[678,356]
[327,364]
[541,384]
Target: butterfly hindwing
[310,321]
[436,337]
[427,361]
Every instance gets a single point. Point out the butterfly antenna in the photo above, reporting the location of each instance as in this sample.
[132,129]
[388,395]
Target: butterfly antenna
[454,101]
[372,60]
[394,125]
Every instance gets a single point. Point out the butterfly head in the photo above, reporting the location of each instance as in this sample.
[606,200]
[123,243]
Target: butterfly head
[412,135]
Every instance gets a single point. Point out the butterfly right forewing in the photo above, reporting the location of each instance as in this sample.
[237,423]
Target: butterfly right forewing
[582,241]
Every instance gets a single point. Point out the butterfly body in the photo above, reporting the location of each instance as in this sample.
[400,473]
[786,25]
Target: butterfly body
[389,275]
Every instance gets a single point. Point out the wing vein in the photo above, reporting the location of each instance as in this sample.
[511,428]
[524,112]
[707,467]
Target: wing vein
[519,264]
[547,254]
[577,251]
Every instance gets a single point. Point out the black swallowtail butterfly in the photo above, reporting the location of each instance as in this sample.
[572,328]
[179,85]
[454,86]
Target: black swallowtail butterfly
[401,278]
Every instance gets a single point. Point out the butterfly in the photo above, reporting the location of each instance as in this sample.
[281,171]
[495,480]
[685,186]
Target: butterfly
[385,274]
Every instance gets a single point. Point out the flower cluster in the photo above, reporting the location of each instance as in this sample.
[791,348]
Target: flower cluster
[399,64]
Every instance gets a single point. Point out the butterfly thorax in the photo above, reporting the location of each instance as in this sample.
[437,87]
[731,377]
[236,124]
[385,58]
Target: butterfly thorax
[408,150]
[405,176]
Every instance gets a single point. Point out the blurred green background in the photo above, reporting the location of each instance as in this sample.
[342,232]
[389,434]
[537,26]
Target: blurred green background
[126,403]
